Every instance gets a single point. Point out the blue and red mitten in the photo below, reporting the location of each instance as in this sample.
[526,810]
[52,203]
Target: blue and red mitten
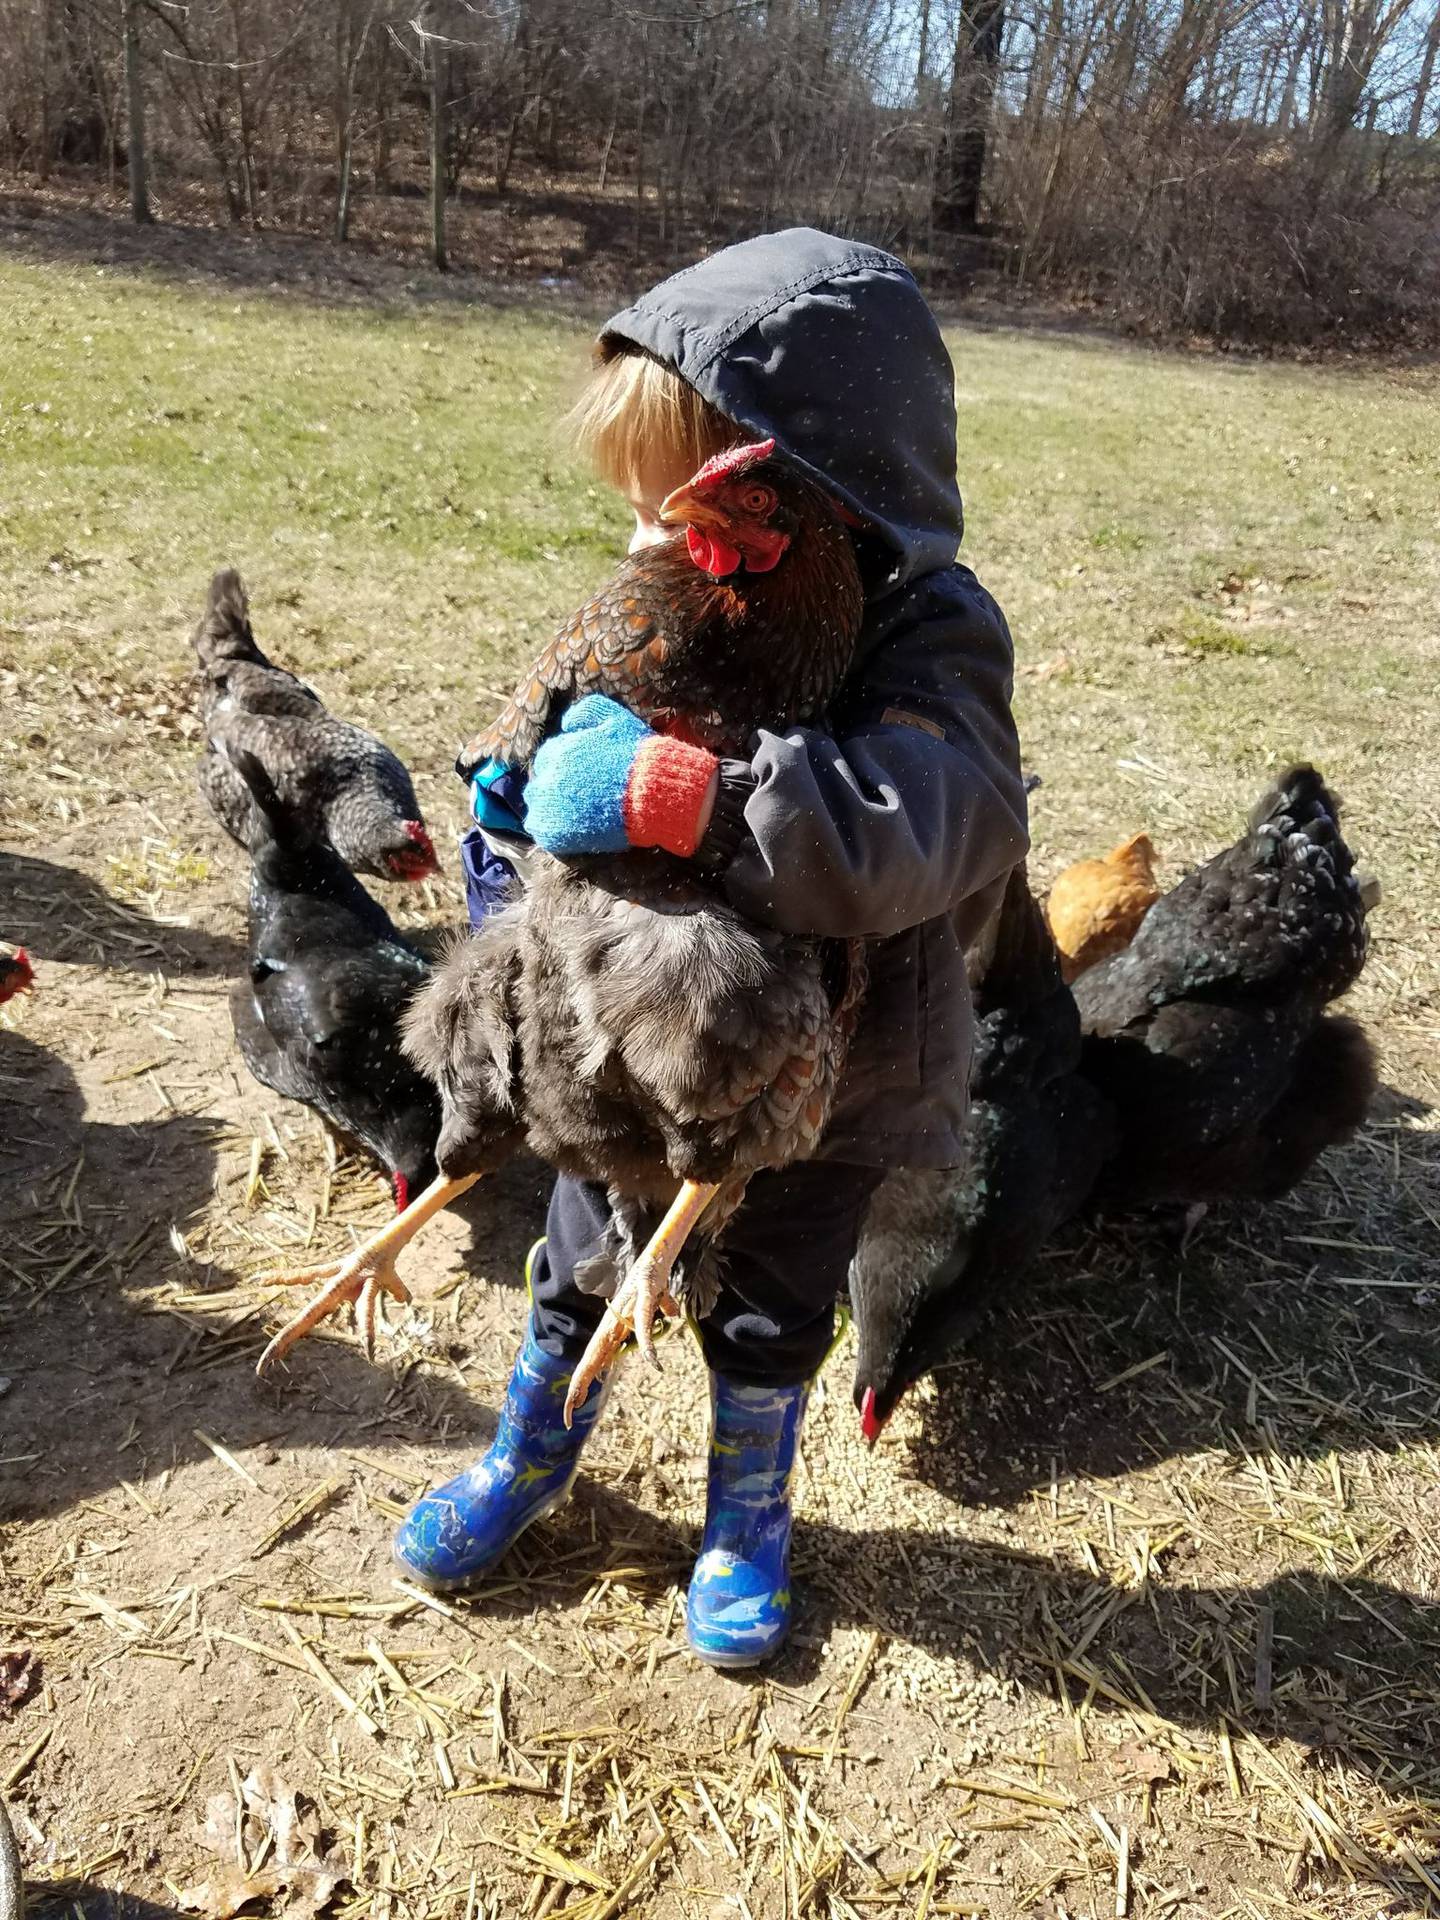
[606,782]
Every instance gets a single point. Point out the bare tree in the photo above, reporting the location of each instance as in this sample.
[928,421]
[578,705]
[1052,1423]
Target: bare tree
[438,68]
[1420,101]
[1253,169]
[354,22]
[974,74]
[140,211]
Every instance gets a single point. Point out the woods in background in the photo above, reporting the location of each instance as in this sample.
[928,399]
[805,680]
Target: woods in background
[1258,170]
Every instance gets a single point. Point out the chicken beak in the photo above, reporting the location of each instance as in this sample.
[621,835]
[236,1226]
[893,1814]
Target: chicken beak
[684,508]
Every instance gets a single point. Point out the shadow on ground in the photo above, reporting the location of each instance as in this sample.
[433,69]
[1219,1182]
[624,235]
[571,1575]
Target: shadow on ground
[60,913]
[90,1900]
[110,1368]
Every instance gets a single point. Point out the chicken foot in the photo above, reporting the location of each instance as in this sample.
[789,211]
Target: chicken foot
[643,1293]
[363,1275]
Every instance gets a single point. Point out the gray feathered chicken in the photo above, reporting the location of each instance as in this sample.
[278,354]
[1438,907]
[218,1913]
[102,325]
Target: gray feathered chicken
[337,777]
[621,1016]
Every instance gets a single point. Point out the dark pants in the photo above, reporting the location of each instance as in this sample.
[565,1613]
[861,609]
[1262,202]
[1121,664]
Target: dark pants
[784,1259]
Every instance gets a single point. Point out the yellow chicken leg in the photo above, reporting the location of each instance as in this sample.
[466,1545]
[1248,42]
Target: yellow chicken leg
[642,1293]
[363,1275]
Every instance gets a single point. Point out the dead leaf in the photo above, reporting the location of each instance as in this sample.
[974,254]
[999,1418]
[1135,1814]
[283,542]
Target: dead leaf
[270,1826]
[1146,1764]
[1057,667]
[229,1889]
[20,1675]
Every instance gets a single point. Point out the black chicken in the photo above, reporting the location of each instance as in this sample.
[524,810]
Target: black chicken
[1209,1070]
[623,1017]
[940,1249]
[1209,1036]
[318,1017]
[340,779]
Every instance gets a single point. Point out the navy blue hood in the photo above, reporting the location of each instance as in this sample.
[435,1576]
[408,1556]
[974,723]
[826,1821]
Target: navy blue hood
[828,346]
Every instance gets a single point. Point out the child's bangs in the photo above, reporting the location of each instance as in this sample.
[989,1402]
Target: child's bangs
[637,415]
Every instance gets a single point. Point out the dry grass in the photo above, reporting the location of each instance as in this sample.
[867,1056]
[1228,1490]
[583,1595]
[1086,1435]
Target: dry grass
[1133,1612]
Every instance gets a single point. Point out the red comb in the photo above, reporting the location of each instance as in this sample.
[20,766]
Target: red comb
[724,466]
[870,1423]
[20,963]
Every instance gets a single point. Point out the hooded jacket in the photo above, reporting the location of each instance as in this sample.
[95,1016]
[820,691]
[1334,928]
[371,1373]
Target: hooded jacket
[901,822]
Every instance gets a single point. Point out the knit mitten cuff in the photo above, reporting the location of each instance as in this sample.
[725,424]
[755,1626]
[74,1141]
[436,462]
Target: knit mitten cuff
[668,794]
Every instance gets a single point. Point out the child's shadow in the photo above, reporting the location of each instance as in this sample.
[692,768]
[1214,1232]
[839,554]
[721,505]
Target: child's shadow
[1343,1667]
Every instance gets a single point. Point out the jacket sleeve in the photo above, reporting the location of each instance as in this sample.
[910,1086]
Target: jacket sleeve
[914,804]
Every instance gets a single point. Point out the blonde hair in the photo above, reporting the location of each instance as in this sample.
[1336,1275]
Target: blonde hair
[637,414]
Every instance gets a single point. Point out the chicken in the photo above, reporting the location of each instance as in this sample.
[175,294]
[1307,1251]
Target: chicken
[938,1250]
[1209,1036]
[1197,1065]
[1095,906]
[318,1017]
[342,779]
[621,1017]
[17,975]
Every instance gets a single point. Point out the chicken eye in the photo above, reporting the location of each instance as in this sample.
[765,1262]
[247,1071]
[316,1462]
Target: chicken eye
[757,500]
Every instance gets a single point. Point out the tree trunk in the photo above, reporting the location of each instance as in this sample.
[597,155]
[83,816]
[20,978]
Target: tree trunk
[922,54]
[640,157]
[352,31]
[1427,76]
[140,211]
[342,192]
[608,148]
[44,166]
[961,166]
[507,153]
[439,64]
[1285,119]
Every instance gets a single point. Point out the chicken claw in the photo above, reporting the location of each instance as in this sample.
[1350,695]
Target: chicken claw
[363,1275]
[644,1292]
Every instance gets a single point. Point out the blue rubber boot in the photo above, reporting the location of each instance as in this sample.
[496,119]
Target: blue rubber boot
[455,1535]
[738,1610]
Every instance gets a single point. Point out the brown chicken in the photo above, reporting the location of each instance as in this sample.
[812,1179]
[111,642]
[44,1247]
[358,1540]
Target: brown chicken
[1095,907]
[622,1017]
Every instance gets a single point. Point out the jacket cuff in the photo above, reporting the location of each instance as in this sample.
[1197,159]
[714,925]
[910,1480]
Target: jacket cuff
[728,828]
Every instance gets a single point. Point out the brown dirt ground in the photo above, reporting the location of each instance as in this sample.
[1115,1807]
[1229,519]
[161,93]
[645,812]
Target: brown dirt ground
[1133,1609]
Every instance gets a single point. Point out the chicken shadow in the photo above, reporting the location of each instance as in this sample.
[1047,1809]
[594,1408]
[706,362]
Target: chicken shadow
[90,1900]
[112,1360]
[1136,1339]
[60,913]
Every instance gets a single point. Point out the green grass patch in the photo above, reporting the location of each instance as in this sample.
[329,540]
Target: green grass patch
[393,483]
[1113,539]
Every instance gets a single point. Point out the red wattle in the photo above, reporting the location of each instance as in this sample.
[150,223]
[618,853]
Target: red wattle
[870,1424]
[710,554]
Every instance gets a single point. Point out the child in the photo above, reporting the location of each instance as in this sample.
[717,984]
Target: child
[899,825]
